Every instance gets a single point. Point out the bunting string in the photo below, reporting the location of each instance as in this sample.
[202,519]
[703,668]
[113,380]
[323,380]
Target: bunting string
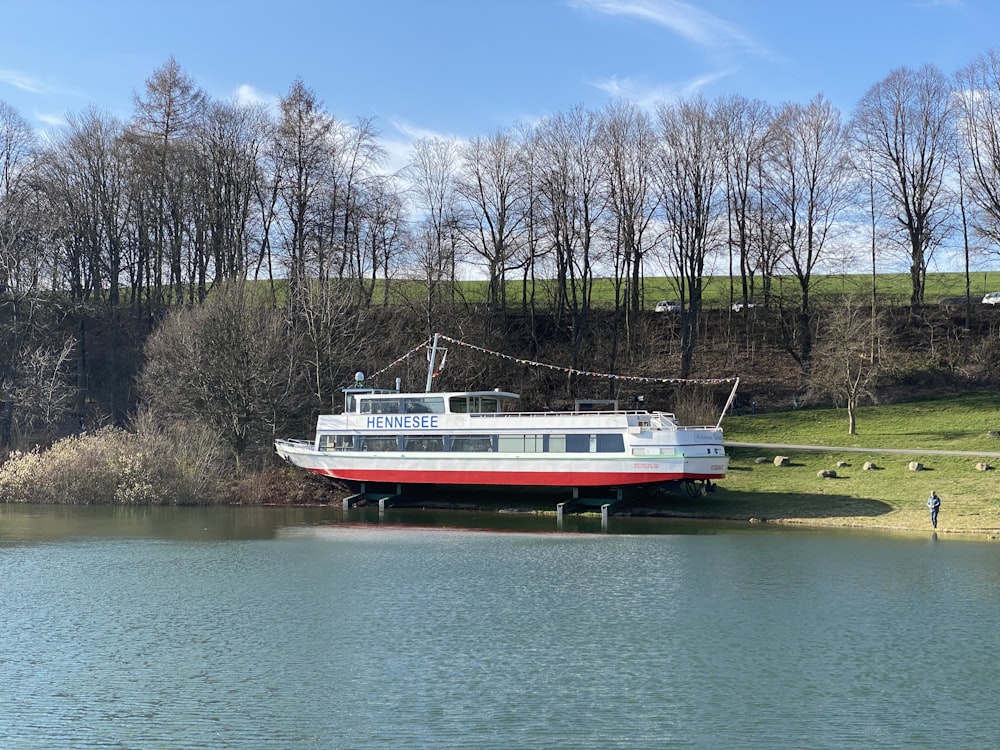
[405,357]
[567,370]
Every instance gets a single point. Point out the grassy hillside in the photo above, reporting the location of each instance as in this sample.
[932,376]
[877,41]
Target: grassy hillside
[958,423]
[891,497]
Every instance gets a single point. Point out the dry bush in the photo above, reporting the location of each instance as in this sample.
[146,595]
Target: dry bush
[698,405]
[284,486]
[190,458]
[177,466]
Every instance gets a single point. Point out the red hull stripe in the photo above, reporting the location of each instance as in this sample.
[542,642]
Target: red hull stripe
[514,478]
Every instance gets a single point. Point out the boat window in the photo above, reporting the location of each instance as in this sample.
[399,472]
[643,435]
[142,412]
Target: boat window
[610,444]
[488,405]
[654,450]
[382,443]
[380,406]
[469,444]
[586,444]
[424,405]
[423,443]
[475,404]
[336,442]
[520,444]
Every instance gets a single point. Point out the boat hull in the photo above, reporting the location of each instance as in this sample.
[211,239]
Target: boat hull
[508,471]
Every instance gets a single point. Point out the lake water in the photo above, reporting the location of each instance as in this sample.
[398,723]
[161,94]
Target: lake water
[261,628]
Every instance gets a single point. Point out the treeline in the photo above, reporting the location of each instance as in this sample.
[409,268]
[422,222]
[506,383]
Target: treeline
[111,229]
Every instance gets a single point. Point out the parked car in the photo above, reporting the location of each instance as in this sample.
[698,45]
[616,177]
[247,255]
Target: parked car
[952,302]
[668,306]
[993,298]
[740,305]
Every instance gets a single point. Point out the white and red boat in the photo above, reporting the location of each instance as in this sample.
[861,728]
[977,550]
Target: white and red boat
[479,438]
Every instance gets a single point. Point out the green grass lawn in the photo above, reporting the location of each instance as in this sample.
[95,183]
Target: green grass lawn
[890,497]
[939,423]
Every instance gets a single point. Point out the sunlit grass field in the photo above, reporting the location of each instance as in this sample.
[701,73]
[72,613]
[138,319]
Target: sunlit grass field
[893,289]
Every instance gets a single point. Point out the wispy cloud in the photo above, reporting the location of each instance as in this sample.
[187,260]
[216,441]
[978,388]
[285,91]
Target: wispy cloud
[247,94]
[55,121]
[683,19]
[399,144]
[647,96]
[24,82]
[413,133]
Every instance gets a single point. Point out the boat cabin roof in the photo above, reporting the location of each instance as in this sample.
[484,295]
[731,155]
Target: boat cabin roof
[385,401]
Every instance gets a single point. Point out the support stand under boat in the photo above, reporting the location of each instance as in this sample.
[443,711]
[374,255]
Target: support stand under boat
[368,494]
[579,503]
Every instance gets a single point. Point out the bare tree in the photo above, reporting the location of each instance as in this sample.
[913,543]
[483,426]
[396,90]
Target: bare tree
[45,389]
[303,160]
[628,140]
[692,183]
[432,174]
[491,181]
[357,157]
[162,131]
[533,224]
[905,123]
[745,126]
[846,366]
[810,184]
[21,259]
[568,170]
[978,104]
[85,176]
[231,143]
[383,238]
[230,364]
[18,148]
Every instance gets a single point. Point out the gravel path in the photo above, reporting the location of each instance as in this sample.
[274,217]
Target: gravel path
[845,449]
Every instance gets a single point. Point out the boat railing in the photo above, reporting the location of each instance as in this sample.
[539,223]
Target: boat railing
[560,414]
[656,420]
[295,443]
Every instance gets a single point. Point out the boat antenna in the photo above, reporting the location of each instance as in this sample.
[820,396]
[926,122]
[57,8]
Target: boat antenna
[430,362]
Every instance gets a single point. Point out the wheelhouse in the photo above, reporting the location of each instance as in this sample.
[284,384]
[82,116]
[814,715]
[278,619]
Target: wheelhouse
[373,401]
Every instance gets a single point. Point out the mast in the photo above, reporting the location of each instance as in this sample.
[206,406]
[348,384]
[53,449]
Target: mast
[725,409]
[430,363]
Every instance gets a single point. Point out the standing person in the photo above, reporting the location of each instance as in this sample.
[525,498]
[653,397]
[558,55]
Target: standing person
[934,503]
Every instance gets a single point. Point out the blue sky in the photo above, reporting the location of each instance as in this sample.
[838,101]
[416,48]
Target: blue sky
[468,67]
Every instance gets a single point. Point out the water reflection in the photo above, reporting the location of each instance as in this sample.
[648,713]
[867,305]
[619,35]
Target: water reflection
[40,523]
[45,523]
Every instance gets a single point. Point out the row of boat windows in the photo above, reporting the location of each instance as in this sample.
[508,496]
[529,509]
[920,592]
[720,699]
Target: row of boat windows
[596,443]
[429,405]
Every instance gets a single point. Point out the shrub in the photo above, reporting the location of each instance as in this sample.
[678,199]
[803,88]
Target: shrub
[175,466]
